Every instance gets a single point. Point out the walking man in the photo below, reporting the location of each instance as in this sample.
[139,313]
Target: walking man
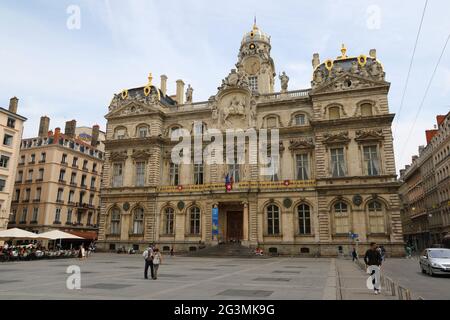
[148,257]
[373,261]
[354,255]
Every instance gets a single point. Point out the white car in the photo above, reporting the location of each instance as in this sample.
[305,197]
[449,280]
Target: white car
[435,261]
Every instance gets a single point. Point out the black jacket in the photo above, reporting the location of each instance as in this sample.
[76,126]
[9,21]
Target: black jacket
[372,258]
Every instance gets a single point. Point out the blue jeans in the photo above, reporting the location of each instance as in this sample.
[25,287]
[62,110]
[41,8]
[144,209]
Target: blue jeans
[148,264]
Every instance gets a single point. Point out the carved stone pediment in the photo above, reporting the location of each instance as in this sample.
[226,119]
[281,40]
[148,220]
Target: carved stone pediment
[119,156]
[369,136]
[344,82]
[133,107]
[233,109]
[301,144]
[141,154]
[337,138]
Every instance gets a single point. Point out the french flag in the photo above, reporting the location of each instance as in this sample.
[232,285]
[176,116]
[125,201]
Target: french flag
[228,183]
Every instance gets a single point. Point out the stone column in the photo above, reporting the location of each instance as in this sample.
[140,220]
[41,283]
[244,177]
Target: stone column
[245,224]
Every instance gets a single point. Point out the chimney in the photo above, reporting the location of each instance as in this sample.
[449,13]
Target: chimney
[164,84]
[373,53]
[180,91]
[316,60]
[69,130]
[44,127]
[56,135]
[13,102]
[95,135]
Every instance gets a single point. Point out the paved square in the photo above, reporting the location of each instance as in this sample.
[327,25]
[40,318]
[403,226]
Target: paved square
[120,276]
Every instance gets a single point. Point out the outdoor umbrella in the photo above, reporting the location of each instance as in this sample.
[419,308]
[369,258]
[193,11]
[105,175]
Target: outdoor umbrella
[16,233]
[56,234]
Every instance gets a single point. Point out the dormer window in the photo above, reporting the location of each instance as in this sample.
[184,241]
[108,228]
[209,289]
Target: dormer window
[142,131]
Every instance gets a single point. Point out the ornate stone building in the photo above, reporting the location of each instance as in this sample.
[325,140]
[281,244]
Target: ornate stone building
[336,176]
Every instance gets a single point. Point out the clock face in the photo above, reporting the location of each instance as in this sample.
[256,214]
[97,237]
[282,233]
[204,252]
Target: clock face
[252,65]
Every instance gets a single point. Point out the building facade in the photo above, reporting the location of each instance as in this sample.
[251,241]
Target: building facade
[58,182]
[11,129]
[425,190]
[335,185]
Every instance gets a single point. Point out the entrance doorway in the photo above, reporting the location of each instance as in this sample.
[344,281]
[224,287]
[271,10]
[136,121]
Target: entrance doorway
[234,226]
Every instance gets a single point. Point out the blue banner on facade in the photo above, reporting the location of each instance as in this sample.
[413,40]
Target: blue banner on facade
[215,223]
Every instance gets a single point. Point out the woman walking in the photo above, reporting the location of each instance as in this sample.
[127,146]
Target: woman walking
[157,260]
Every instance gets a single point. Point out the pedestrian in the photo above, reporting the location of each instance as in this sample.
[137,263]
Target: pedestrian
[354,255]
[148,257]
[171,252]
[157,260]
[80,252]
[408,252]
[373,261]
[383,253]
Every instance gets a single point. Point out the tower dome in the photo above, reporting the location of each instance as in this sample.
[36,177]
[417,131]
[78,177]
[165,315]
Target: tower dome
[255,35]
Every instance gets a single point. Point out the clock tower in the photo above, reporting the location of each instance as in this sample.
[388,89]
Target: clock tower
[255,61]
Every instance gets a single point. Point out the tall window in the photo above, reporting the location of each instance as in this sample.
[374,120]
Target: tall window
[115,221]
[64,159]
[58,215]
[23,218]
[19,176]
[2,185]
[117,175]
[174,174]
[334,113]
[59,195]
[304,219]
[233,170]
[273,220]
[253,83]
[366,110]
[302,166]
[198,173]
[13,216]
[27,195]
[195,220]
[341,218]
[71,196]
[4,160]
[61,175]
[89,219]
[371,162]
[376,217]
[138,221]
[30,175]
[337,162]
[43,157]
[92,182]
[7,140]
[300,120]
[168,220]
[69,216]
[91,199]
[34,217]
[38,194]
[140,174]
[41,174]
[83,180]
[199,128]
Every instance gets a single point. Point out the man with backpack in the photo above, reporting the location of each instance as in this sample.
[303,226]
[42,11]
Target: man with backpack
[373,262]
[148,257]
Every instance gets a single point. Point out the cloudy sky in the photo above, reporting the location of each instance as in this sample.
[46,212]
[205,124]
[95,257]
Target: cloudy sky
[66,72]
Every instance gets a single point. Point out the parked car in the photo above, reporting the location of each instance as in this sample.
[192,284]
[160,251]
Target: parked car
[435,261]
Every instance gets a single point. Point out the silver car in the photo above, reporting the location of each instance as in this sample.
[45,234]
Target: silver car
[435,261]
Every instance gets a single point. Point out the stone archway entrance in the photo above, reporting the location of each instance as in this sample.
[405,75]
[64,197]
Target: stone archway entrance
[232,222]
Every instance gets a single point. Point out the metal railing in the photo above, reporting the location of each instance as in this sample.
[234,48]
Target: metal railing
[390,286]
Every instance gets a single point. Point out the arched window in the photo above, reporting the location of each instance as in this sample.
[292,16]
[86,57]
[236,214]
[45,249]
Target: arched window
[334,113]
[195,220]
[304,219]
[142,131]
[366,110]
[115,221]
[273,220]
[138,221]
[300,120]
[376,217]
[272,122]
[341,219]
[168,220]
